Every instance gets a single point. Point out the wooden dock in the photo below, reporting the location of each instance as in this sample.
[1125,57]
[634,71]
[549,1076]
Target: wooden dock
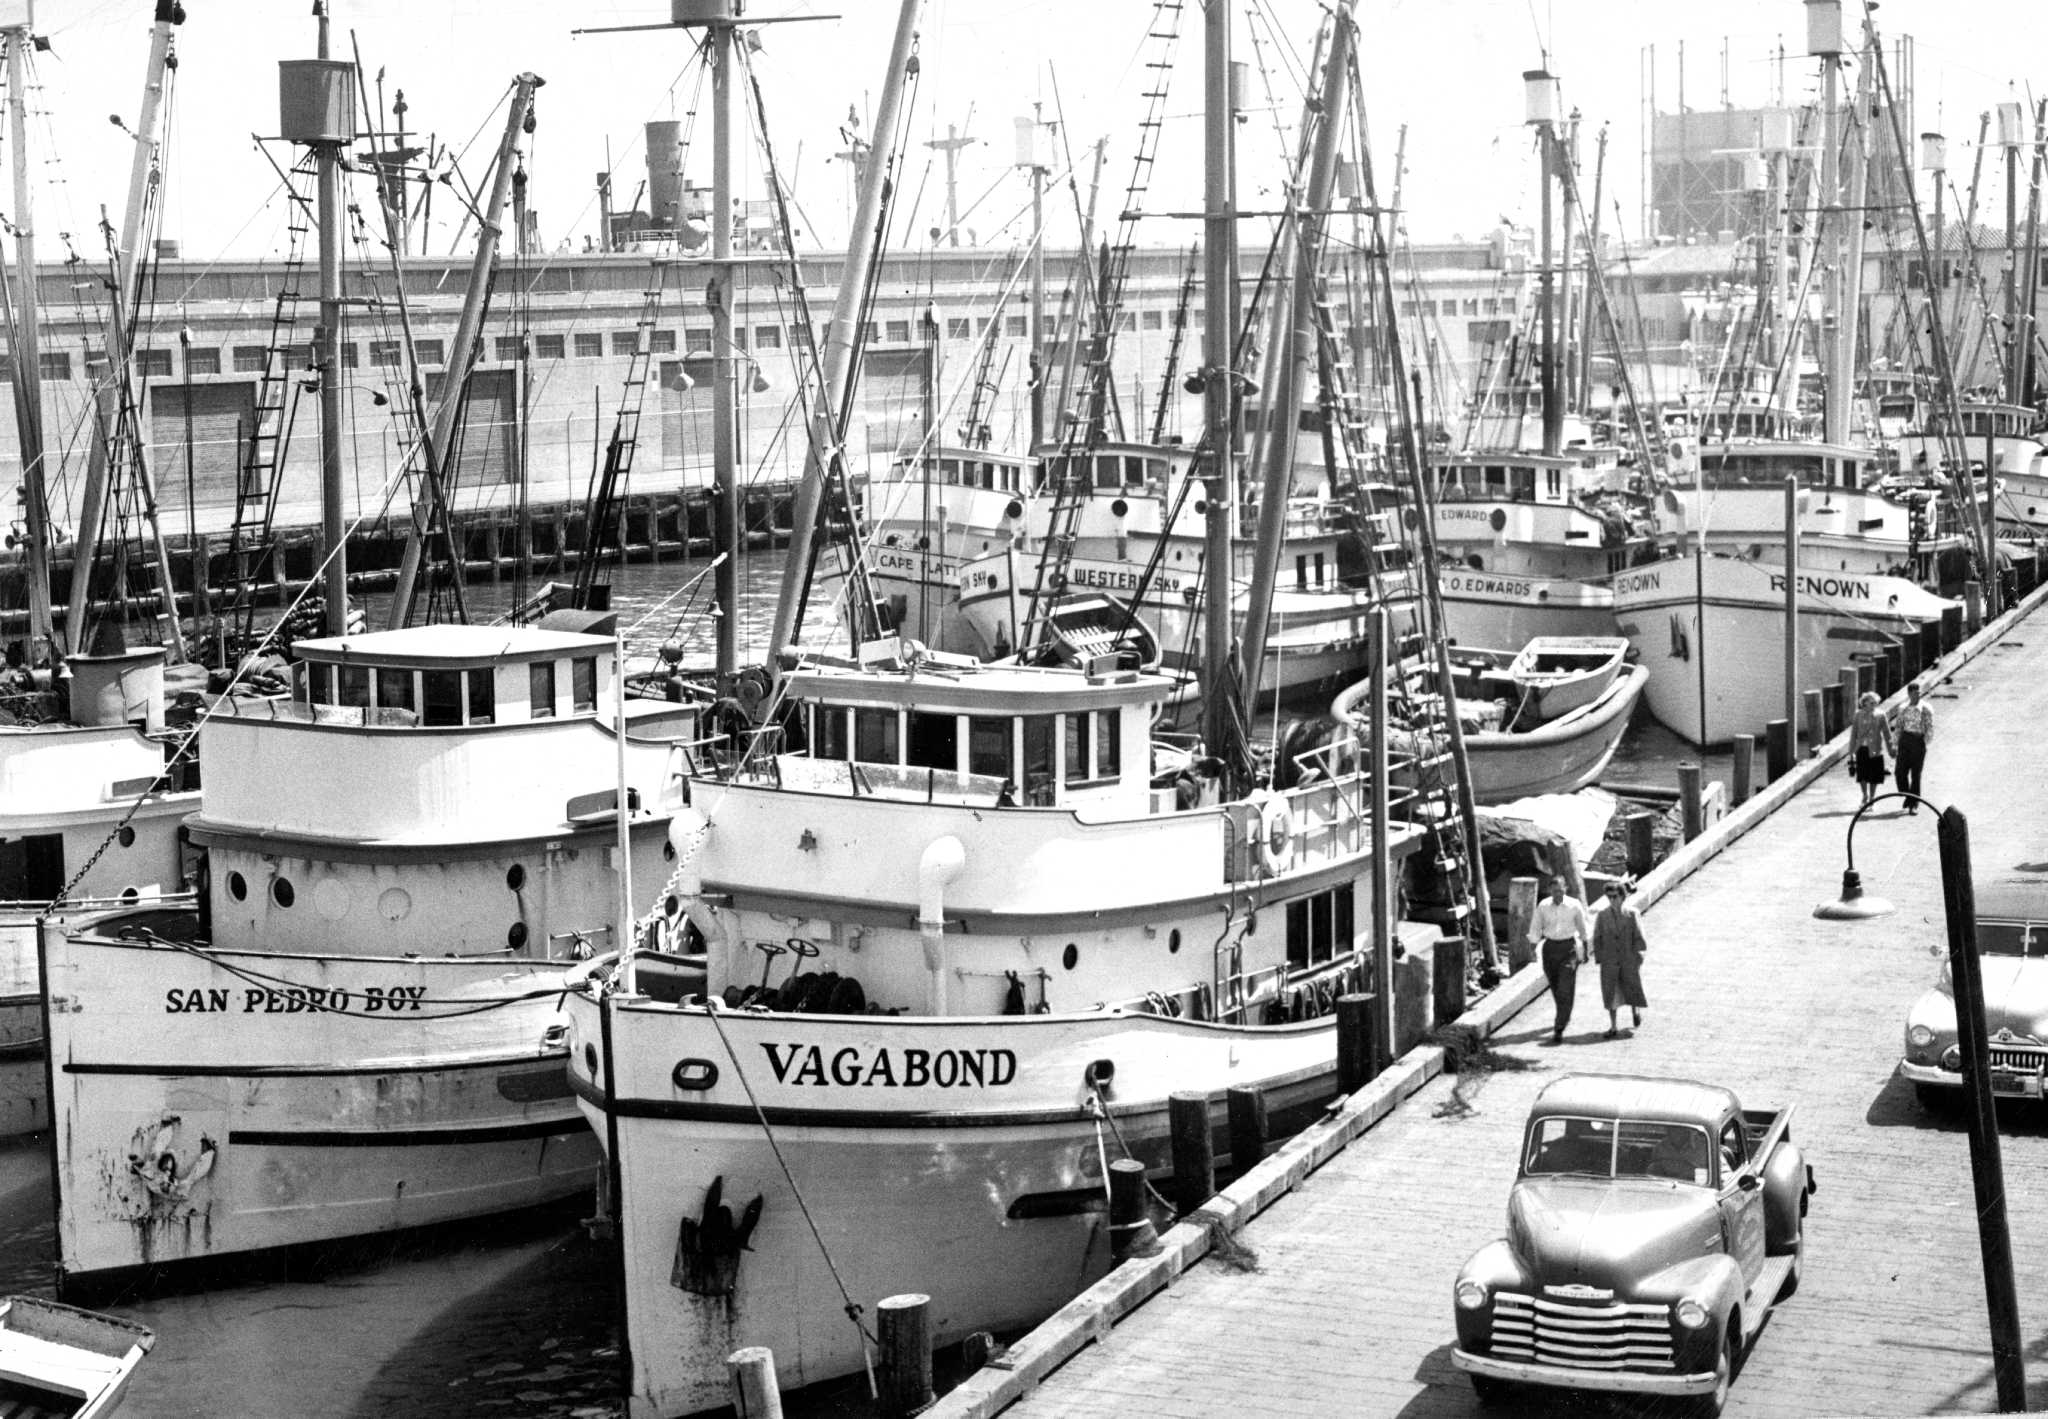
[1320,1284]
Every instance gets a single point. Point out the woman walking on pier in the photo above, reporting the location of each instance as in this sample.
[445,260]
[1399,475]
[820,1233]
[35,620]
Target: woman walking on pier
[1916,727]
[1870,742]
[1618,946]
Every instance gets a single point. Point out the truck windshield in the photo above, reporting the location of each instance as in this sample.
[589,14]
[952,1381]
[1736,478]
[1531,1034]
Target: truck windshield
[1628,1148]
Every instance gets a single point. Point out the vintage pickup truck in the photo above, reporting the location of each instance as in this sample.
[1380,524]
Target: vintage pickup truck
[1652,1225]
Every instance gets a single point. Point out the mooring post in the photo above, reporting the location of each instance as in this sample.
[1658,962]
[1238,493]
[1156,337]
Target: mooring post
[1778,748]
[1691,815]
[1194,1151]
[1355,1051]
[1743,768]
[1247,1128]
[1130,1218]
[1521,911]
[1640,836]
[903,1371]
[1816,713]
[754,1392]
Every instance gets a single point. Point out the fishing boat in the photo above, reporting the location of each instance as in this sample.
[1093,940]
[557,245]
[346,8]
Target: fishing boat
[959,945]
[1546,719]
[59,1362]
[356,1028]
[88,815]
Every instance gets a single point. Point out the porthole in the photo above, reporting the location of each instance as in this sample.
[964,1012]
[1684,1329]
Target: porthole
[516,937]
[668,852]
[590,1060]
[1173,942]
[129,894]
[1070,957]
[515,876]
[238,887]
[281,892]
[125,837]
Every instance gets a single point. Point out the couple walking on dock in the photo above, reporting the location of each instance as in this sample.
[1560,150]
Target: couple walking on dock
[1613,936]
[1870,740]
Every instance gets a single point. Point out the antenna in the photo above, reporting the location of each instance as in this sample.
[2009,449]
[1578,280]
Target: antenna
[950,145]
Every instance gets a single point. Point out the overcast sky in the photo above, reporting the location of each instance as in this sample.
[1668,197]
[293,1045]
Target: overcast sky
[1449,71]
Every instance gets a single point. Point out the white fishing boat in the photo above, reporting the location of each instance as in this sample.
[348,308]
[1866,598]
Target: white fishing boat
[1033,981]
[1711,629]
[1557,674]
[59,1362]
[87,814]
[357,1029]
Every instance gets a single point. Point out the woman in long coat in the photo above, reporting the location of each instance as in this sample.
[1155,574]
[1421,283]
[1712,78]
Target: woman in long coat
[1618,946]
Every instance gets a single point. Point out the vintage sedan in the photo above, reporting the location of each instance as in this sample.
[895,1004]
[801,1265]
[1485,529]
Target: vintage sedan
[2012,946]
[1652,1225]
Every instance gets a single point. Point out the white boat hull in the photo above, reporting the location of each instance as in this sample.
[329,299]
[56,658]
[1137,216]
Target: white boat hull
[1512,608]
[987,1197]
[209,1103]
[1734,664]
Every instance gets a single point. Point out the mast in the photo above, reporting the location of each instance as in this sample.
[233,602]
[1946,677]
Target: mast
[838,370]
[724,460]
[1290,366]
[28,384]
[1824,42]
[1033,155]
[327,349]
[1539,89]
[461,359]
[86,545]
[1219,376]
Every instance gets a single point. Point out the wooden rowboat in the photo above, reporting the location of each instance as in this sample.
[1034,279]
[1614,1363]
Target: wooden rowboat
[59,1362]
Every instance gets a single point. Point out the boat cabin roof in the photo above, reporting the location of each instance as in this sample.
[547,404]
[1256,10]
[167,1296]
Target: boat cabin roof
[976,689]
[450,647]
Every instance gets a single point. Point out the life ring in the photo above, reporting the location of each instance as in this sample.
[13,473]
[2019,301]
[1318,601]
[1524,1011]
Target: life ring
[1274,838]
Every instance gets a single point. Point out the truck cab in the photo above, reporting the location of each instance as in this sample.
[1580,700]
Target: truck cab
[1652,1224]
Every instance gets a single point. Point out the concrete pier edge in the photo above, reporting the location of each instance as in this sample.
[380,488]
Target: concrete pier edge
[1091,1316]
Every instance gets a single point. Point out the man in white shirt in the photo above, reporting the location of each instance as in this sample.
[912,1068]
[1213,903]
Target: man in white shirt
[1561,929]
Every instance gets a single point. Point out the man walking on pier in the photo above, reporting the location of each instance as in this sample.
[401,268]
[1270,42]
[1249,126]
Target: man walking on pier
[1916,727]
[1560,927]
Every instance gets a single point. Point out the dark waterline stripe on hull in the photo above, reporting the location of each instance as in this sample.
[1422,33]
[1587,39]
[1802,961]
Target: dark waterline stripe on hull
[783,1116]
[304,1071]
[407,1137]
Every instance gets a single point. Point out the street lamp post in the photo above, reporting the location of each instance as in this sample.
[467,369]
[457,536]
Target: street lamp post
[1987,1169]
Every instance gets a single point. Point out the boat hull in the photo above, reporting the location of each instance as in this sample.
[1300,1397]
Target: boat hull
[986,1196]
[1562,756]
[211,1103]
[1712,634]
[1513,608]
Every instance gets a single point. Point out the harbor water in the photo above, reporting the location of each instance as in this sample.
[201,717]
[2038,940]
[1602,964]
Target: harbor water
[501,1317]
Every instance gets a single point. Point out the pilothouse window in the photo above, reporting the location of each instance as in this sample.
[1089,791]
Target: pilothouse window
[540,689]
[442,692]
[877,736]
[483,697]
[583,682]
[988,747]
[934,741]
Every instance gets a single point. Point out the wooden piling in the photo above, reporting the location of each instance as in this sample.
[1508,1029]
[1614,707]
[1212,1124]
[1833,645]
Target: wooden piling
[1355,1051]
[1447,978]
[1780,748]
[1522,892]
[1930,642]
[1248,1131]
[1640,836]
[1130,1215]
[1816,715]
[1951,628]
[903,1368]
[1691,814]
[1894,670]
[1743,769]
[1973,607]
[1831,706]
[1909,654]
[751,1372]
[1194,1151]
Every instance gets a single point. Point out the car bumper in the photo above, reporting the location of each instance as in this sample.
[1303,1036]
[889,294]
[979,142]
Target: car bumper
[1930,1074]
[1571,1377]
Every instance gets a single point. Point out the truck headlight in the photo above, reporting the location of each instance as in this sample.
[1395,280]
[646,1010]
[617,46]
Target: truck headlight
[1919,1037]
[1691,1314]
[1952,1058]
[1471,1295]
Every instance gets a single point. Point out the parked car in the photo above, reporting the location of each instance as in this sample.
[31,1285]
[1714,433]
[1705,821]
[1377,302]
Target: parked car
[2012,946]
[1652,1225]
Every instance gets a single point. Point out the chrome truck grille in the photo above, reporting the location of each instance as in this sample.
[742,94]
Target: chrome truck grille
[1582,1334]
[2025,1058]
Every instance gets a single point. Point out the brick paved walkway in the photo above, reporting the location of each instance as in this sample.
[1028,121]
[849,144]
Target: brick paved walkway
[1349,1310]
